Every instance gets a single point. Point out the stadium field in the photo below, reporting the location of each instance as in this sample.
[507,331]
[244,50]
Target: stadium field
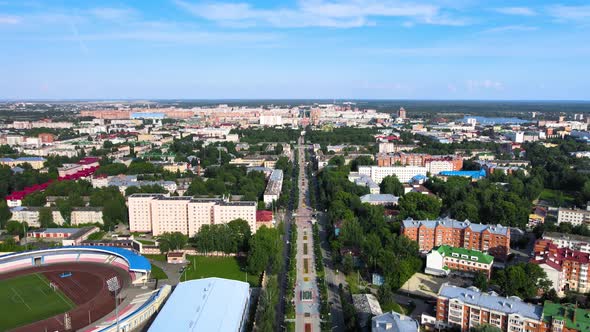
[28,299]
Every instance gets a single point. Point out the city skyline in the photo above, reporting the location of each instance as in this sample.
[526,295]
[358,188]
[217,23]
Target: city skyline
[349,49]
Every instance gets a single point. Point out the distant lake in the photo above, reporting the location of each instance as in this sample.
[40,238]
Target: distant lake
[493,121]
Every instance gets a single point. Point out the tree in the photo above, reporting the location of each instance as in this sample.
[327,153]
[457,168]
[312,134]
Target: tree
[481,281]
[65,209]
[524,280]
[347,264]
[5,213]
[486,328]
[391,185]
[265,251]
[419,206]
[240,231]
[45,217]
[172,241]
[16,228]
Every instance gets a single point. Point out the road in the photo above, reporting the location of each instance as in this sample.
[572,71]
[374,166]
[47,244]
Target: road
[307,302]
[282,278]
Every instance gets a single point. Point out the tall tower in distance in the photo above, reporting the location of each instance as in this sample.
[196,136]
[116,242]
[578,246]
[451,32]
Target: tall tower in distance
[401,114]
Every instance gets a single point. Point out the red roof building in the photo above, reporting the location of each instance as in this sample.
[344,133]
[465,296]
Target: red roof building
[566,268]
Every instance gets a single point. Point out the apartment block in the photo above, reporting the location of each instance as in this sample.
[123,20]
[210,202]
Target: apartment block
[572,241]
[575,217]
[491,239]
[273,187]
[466,308]
[403,173]
[566,268]
[157,213]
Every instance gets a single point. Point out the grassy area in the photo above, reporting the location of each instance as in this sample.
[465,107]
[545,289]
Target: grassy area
[352,281]
[160,258]
[556,197]
[158,273]
[29,299]
[402,309]
[147,242]
[222,267]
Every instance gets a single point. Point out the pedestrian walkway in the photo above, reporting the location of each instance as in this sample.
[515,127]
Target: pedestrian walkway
[307,301]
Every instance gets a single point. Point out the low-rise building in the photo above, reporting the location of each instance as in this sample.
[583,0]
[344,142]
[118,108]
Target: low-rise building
[446,259]
[403,173]
[394,322]
[35,162]
[380,199]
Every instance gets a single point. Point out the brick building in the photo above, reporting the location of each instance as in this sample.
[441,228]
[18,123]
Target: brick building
[566,268]
[492,239]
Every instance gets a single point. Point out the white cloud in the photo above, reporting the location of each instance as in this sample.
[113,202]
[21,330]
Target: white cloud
[6,19]
[570,13]
[520,11]
[319,13]
[484,84]
[112,14]
[511,28]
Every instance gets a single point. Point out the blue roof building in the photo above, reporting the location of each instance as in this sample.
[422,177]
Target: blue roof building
[210,304]
[394,322]
[475,175]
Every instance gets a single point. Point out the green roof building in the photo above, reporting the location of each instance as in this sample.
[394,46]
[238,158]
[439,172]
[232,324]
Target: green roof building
[567,316]
[444,259]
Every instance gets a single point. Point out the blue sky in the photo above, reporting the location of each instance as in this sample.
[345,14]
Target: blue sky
[385,49]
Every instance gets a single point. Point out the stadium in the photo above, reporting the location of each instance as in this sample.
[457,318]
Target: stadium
[73,288]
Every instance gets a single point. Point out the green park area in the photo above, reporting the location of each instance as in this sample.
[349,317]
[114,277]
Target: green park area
[28,299]
[158,273]
[221,267]
[556,197]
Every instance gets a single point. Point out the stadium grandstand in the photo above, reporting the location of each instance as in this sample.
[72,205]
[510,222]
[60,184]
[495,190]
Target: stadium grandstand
[137,266]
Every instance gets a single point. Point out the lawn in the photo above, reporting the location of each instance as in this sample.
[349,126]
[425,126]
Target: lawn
[402,309]
[556,197]
[222,267]
[158,273]
[29,299]
[161,257]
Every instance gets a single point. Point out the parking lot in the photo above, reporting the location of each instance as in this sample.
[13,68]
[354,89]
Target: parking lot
[426,285]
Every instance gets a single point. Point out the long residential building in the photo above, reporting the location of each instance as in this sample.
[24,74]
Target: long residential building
[157,213]
[273,187]
[492,239]
[403,173]
[466,308]
[566,268]
[572,241]
[575,217]
[433,164]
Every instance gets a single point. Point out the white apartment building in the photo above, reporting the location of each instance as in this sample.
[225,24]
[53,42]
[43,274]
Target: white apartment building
[574,216]
[403,173]
[273,187]
[159,214]
[571,241]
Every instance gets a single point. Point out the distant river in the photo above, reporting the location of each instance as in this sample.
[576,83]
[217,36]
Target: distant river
[493,121]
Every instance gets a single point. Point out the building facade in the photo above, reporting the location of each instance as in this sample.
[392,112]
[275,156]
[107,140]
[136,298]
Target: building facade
[491,239]
[403,173]
[575,217]
[157,214]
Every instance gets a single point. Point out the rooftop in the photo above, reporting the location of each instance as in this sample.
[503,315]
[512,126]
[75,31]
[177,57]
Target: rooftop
[480,256]
[210,304]
[575,318]
[491,301]
[448,222]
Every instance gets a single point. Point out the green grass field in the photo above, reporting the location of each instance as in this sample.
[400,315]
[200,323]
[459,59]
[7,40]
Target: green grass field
[221,267]
[556,197]
[28,299]
[158,273]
